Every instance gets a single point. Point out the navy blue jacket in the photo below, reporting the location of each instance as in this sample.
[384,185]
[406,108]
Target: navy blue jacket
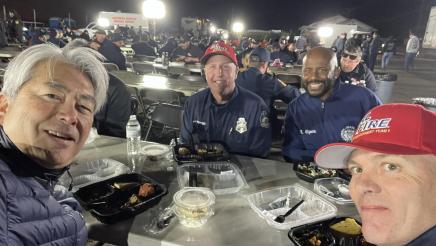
[192,51]
[241,124]
[266,86]
[428,238]
[311,123]
[113,54]
[111,120]
[31,212]
[361,72]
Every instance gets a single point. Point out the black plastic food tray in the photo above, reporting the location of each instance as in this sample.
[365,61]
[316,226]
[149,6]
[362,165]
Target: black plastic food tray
[192,158]
[105,203]
[306,177]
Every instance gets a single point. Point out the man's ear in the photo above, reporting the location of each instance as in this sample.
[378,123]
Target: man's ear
[4,104]
[337,72]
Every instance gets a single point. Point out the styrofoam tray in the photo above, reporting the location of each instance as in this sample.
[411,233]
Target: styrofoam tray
[221,177]
[269,204]
[86,173]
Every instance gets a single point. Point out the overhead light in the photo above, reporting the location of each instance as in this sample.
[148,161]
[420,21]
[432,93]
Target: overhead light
[225,35]
[325,32]
[238,27]
[103,22]
[153,9]
[212,29]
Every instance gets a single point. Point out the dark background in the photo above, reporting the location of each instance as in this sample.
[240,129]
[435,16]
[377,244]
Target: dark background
[391,17]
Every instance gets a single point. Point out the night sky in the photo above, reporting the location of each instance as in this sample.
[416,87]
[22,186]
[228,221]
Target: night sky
[391,17]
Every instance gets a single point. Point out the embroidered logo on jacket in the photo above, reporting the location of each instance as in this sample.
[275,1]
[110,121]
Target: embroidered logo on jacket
[241,125]
[264,120]
[347,133]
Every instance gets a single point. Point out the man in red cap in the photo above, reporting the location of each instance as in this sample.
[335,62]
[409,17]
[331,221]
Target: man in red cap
[225,112]
[392,159]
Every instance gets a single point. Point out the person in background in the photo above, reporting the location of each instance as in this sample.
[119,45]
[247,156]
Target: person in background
[301,43]
[280,54]
[353,71]
[169,46]
[388,52]
[111,50]
[392,160]
[244,59]
[225,112]
[186,52]
[328,112]
[412,49]
[374,46]
[64,88]
[365,49]
[143,48]
[54,38]
[85,35]
[100,36]
[339,44]
[38,37]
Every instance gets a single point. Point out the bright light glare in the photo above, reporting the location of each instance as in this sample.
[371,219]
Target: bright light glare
[153,9]
[155,82]
[225,35]
[325,32]
[103,22]
[238,27]
[212,29]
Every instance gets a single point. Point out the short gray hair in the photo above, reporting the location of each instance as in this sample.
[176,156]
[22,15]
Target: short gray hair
[19,71]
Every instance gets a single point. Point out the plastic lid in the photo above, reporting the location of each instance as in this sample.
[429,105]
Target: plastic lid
[334,189]
[194,197]
[132,117]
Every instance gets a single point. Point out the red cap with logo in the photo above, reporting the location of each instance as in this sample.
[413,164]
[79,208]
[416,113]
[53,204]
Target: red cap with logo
[219,48]
[399,129]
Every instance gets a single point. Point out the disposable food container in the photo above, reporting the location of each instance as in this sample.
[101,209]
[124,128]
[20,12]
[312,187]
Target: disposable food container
[200,152]
[309,172]
[269,204]
[221,177]
[334,189]
[194,206]
[121,197]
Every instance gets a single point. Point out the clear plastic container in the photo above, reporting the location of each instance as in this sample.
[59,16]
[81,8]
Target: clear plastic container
[221,177]
[194,206]
[334,189]
[269,204]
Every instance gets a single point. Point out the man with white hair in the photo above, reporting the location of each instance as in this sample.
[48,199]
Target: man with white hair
[392,160]
[47,106]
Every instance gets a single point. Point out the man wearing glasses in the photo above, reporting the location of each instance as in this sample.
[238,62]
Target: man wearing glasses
[328,112]
[225,112]
[353,71]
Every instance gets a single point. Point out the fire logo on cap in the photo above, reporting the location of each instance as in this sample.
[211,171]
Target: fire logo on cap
[368,124]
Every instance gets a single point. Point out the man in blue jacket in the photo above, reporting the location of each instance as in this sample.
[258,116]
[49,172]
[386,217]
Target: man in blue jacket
[328,112]
[225,112]
[47,106]
[392,160]
[112,51]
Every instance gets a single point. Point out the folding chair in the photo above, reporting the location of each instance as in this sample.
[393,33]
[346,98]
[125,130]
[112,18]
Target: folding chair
[169,115]
[111,66]
[142,68]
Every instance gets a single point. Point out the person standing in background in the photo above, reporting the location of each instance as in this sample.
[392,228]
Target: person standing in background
[373,50]
[388,52]
[412,49]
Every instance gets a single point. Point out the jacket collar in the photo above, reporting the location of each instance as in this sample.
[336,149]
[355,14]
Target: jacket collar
[211,101]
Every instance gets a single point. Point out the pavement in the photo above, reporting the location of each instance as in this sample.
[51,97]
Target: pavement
[420,82]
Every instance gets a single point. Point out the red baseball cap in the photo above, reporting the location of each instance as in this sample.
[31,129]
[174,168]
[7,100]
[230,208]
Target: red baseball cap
[399,129]
[219,48]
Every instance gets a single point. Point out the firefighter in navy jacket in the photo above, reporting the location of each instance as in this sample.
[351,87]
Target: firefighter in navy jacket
[224,112]
[328,112]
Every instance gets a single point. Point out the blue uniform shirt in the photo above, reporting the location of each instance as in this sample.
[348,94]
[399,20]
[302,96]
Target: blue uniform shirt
[241,124]
[266,86]
[428,238]
[311,123]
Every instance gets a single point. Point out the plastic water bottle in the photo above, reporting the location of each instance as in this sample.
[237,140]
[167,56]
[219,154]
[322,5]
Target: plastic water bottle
[133,135]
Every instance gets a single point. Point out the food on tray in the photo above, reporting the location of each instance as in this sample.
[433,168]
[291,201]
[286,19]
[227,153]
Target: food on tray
[202,151]
[348,226]
[315,171]
[146,190]
[314,240]
[184,151]
[133,200]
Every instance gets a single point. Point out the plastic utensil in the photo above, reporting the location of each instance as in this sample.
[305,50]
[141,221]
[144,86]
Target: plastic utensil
[281,218]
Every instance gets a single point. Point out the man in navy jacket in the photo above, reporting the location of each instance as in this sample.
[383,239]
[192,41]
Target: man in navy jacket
[225,112]
[328,112]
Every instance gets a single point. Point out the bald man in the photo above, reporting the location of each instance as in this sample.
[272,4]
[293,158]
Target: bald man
[328,112]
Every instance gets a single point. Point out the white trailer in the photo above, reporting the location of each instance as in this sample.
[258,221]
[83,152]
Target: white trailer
[430,31]
[124,19]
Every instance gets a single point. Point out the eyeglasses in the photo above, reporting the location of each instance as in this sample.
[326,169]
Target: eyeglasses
[351,57]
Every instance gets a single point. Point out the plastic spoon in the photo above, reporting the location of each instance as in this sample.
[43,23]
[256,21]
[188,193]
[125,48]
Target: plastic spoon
[282,218]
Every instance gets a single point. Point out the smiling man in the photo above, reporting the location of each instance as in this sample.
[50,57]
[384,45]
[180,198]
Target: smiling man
[225,112]
[392,159]
[328,112]
[47,106]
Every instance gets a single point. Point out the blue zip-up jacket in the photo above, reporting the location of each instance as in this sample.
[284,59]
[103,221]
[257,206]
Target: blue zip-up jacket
[31,212]
[428,238]
[241,124]
[266,86]
[311,123]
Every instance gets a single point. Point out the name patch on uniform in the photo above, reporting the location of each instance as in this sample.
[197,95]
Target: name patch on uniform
[264,120]
[199,122]
[307,132]
[241,125]
[347,133]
